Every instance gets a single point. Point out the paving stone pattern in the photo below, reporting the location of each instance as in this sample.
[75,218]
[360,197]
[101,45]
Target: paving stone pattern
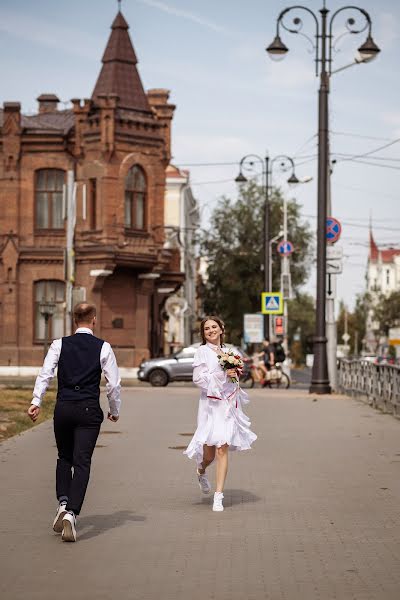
[312,512]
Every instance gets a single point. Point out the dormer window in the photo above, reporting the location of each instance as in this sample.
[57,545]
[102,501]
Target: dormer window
[135,198]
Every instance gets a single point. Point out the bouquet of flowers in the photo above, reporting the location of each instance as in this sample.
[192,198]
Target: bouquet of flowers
[230,360]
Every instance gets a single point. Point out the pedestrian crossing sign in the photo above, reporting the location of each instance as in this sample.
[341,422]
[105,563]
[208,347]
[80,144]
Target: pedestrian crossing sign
[271,303]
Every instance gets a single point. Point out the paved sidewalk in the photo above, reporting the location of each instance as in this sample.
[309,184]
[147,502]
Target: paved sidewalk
[312,512]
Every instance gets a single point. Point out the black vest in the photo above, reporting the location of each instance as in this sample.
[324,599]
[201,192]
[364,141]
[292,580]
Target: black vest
[79,369]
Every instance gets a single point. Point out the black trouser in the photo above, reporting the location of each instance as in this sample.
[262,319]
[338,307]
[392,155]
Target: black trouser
[76,428]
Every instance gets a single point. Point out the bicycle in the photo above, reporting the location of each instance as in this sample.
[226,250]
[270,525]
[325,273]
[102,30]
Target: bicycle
[276,378]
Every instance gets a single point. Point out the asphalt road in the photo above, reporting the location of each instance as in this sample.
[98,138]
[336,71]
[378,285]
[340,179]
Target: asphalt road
[312,512]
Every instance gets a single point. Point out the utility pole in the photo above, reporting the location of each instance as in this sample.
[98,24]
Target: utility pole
[285,279]
[70,251]
[331,328]
[324,47]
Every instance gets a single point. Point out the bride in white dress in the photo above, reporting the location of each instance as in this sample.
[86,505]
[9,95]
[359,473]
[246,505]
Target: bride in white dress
[221,422]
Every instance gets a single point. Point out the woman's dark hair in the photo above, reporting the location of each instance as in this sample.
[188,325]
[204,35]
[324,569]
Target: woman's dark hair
[217,320]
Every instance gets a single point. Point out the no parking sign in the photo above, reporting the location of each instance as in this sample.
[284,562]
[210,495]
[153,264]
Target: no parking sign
[333,230]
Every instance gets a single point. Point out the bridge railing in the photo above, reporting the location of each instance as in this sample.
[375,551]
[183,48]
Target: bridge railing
[379,385]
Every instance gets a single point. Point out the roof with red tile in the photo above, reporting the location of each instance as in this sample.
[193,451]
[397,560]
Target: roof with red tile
[119,74]
[375,254]
[173,171]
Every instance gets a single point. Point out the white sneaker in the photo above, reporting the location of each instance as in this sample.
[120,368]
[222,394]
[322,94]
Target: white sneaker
[204,484]
[217,506]
[57,523]
[69,530]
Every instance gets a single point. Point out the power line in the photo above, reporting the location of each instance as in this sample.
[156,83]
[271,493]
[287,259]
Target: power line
[358,135]
[387,158]
[357,161]
[360,225]
[395,141]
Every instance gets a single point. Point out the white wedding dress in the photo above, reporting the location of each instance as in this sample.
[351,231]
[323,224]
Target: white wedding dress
[220,418]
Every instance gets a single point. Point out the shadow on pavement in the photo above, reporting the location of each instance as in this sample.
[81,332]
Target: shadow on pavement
[232,497]
[97,524]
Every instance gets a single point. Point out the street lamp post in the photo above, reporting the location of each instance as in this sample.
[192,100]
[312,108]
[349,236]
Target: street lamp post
[267,166]
[47,310]
[323,66]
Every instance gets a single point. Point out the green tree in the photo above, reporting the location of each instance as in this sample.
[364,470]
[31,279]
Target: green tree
[233,245]
[387,311]
[356,322]
[301,310]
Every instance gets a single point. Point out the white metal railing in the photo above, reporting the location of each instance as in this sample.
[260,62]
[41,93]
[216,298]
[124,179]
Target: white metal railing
[379,384]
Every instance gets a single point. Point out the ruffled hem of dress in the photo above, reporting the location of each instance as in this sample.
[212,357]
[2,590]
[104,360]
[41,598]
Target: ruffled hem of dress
[195,448]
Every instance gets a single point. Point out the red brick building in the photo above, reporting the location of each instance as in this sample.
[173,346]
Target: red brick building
[82,213]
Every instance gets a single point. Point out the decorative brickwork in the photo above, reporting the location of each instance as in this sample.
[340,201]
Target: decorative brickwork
[95,144]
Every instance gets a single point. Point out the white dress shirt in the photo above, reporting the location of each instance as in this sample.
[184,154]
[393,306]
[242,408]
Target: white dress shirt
[108,365]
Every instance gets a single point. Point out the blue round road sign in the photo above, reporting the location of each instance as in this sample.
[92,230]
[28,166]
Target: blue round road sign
[285,248]
[333,230]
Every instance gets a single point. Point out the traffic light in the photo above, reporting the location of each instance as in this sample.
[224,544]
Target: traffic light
[279,325]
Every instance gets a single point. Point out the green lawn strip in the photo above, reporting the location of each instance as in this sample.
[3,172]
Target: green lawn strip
[14,404]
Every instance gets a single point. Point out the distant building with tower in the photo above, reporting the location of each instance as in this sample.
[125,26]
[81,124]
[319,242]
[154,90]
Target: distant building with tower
[383,277]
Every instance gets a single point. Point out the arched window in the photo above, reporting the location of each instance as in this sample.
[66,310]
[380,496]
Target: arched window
[49,184]
[52,291]
[135,198]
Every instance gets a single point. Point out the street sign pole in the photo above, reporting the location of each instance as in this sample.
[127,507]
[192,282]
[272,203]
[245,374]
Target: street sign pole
[331,331]
[285,270]
[333,268]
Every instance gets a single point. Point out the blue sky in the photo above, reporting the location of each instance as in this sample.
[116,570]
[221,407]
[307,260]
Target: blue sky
[231,98]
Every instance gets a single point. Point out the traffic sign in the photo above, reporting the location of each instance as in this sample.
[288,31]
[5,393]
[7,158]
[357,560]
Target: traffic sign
[334,267]
[330,287]
[334,252]
[285,248]
[333,230]
[271,303]
[253,326]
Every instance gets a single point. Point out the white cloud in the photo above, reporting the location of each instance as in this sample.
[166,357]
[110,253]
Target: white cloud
[184,14]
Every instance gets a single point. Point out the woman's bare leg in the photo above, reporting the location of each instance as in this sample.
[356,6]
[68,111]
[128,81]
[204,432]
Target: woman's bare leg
[222,467]
[208,457]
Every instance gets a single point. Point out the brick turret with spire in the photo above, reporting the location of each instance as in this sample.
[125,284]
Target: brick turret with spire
[119,74]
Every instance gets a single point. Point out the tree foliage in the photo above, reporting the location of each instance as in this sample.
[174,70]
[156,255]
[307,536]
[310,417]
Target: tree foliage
[301,312]
[387,311]
[356,322]
[233,246]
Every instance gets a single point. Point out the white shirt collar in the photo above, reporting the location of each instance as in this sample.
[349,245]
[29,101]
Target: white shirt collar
[84,330]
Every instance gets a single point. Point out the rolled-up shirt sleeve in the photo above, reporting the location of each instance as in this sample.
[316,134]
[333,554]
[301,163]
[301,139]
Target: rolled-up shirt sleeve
[46,373]
[113,379]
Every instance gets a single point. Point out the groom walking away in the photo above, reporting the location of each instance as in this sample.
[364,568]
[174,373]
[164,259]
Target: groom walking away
[77,415]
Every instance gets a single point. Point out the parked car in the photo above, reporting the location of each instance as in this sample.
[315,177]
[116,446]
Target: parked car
[176,367]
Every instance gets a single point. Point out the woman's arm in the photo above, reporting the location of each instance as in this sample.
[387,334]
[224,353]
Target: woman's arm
[210,382]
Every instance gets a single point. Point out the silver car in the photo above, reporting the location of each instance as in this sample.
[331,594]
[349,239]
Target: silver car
[177,367]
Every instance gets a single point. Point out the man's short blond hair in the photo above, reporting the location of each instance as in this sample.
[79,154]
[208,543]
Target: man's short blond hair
[84,312]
